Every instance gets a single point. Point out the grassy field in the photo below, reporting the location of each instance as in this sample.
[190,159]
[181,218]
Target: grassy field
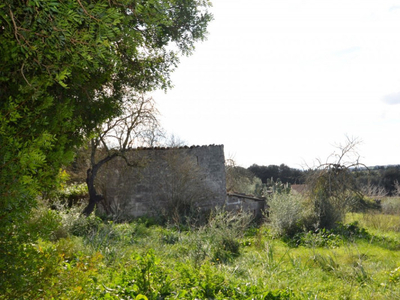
[227,258]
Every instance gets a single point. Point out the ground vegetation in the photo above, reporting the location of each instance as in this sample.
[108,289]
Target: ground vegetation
[228,257]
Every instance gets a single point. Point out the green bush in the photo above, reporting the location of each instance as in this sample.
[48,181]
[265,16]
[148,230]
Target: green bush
[391,206]
[319,238]
[47,267]
[84,226]
[289,214]
[20,257]
[351,231]
[224,229]
[219,239]
[146,275]
[329,238]
[44,223]
[225,250]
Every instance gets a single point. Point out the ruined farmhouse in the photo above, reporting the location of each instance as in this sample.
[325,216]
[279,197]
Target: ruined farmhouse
[169,179]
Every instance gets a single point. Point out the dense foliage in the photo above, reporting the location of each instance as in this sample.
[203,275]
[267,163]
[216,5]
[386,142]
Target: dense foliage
[67,66]
[384,177]
[241,180]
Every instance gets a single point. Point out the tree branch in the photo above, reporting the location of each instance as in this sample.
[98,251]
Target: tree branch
[15,26]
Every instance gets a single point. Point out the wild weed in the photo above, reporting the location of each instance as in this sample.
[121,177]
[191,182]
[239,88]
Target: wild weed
[145,275]
[271,264]
[219,238]
[327,263]
[394,276]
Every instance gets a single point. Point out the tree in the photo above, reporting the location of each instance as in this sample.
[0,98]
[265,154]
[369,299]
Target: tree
[241,180]
[390,176]
[137,126]
[65,68]
[332,186]
[282,173]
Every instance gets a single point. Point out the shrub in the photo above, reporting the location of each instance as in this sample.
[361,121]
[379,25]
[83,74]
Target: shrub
[43,268]
[241,180]
[225,250]
[288,214]
[351,230]
[391,206]
[218,240]
[84,226]
[331,197]
[169,238]
[329,238]
[71,195]
[20,258]
[224,229]
[44,223]
[319,238]
[146,276]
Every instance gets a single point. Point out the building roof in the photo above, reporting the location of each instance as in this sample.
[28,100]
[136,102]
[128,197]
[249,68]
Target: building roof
[241,195]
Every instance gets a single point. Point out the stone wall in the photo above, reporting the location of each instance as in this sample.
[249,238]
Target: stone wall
[241,202]
[166,178]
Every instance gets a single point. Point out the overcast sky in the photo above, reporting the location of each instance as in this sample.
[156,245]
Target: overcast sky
[283,81]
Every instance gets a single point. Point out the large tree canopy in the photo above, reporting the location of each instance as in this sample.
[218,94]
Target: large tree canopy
[67,66]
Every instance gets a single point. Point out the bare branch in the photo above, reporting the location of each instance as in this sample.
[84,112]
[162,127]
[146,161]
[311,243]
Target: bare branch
[332,185]
[15,26]
[117,135]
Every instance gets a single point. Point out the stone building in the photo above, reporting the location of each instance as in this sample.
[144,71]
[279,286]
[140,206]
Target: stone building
[165,179]
[170,180]
[241,202]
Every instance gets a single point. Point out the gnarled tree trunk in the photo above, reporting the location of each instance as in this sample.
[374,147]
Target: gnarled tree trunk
[94,198]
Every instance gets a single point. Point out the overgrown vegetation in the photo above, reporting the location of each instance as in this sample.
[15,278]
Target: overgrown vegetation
[69,69]
[228,257]
[66,67]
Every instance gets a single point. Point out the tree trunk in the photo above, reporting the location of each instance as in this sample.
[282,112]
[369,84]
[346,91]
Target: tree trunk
[94,198]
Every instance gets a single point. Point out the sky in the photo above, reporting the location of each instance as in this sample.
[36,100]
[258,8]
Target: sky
[286,81]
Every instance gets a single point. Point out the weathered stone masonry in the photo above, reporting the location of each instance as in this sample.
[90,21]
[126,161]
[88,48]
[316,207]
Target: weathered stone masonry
[167,175]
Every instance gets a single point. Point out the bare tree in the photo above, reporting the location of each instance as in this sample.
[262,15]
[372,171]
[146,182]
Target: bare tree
[332,186]
[375,191]
[136,127]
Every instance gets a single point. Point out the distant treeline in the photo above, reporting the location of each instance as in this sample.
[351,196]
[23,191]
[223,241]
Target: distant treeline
[282,172]
[385,177]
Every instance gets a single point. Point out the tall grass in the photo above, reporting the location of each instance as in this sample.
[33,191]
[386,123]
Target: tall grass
[226,258]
